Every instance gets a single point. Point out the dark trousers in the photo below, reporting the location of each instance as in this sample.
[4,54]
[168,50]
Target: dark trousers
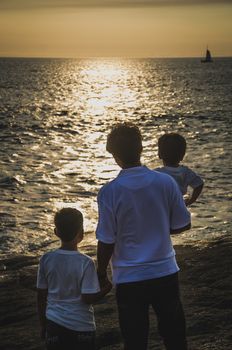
[162,294]
[61,338]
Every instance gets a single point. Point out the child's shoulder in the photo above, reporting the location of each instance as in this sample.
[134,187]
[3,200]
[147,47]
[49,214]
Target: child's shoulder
[75,256]
[158,168]
[85,256]
[186,169]
[86,261]
[47,255]
[170,170]
[163,169]
[183,167]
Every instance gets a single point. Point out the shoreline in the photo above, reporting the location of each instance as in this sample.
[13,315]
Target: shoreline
[205,283]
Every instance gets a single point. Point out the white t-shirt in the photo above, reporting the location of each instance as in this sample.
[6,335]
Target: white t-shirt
[183,175]
[136,212]
[68,274]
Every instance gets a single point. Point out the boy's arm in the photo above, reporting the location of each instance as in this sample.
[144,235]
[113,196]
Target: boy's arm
[90,284]
[41,307]
[195,194]
[180,217]
[93,298]
[179,230]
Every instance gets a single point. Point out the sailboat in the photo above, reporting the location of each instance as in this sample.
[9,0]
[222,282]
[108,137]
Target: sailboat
[208,57]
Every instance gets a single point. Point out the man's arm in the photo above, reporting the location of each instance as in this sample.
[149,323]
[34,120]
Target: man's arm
[104,253]
[179,230]
[41,307]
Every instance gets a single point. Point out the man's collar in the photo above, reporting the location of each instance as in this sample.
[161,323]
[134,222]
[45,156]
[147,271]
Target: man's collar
[131,170]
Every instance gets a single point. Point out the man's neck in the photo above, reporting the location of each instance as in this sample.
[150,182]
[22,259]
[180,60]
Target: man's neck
[133,165]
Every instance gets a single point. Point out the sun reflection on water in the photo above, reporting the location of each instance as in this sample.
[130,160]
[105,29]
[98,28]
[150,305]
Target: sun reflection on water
[104,84]
[54,137]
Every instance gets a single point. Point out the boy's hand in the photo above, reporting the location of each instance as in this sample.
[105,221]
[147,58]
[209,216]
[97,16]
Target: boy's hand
[93,298]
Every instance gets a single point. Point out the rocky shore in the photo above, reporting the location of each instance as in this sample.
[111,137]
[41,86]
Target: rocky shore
[206,284]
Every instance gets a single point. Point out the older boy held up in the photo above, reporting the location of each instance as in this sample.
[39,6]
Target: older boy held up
[171,149]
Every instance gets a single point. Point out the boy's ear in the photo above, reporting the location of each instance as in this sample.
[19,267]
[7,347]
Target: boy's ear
[80,236]
[55,231]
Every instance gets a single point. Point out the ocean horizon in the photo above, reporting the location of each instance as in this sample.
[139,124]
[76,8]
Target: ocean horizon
[113,57]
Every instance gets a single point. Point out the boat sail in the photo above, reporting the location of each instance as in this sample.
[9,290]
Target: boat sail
[208,57]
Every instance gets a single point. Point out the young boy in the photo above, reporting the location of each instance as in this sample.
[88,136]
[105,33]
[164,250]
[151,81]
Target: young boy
[67,286]
[171,149]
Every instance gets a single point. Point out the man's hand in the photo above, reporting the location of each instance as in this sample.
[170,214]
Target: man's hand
[107,286]
[103,279]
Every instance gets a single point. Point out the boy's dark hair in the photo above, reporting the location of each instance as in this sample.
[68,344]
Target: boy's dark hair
[68,222]
[125,142]
[171,148]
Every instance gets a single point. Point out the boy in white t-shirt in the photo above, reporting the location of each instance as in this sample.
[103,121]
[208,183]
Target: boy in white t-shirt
[171,149]
[67,285]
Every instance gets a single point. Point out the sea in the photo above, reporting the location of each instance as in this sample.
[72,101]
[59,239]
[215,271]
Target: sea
[55,115]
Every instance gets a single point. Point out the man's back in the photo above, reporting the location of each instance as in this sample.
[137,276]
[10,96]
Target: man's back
[137,212]
[139,208]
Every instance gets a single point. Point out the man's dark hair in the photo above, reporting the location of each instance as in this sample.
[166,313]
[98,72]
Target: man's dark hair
[125,142]
[171,148]
[68,222]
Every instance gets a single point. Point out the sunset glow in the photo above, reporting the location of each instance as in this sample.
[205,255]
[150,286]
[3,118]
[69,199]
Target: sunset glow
[114,28]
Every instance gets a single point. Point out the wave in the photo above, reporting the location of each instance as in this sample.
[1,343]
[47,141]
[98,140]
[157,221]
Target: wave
[11,181]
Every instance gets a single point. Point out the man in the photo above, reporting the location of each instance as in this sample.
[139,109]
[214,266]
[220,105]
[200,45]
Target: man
[138,211]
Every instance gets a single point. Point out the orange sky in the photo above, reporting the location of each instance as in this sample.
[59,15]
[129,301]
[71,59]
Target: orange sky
[67,28]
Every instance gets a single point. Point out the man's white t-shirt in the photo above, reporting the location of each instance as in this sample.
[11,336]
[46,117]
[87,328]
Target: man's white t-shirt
[184,177]
[136,212]
[68,274]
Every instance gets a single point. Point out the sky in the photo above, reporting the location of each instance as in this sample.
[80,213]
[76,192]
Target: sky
[133,28]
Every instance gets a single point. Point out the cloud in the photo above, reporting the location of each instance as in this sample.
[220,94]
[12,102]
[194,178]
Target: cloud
[36,4]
